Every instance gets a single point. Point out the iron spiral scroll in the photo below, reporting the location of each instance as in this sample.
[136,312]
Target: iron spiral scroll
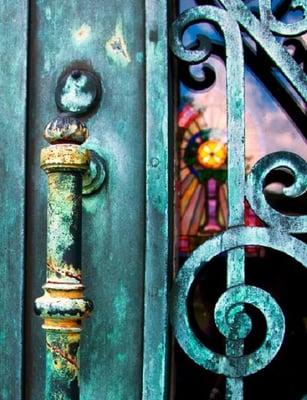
[230,316]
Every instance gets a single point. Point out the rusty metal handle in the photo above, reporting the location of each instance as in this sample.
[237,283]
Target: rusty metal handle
[63,305]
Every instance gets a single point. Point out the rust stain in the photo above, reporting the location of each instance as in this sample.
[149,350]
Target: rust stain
[66,294]
[61,156]
[63,306]
[63,270]
[82,34]
[64,355]
[62,323]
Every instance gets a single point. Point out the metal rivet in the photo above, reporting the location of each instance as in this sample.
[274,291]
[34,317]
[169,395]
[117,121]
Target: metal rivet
[154,162]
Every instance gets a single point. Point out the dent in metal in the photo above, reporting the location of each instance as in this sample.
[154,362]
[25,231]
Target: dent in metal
[116,47]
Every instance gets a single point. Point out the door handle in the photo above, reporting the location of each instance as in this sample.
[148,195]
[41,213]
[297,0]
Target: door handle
[72,170]
[63,305]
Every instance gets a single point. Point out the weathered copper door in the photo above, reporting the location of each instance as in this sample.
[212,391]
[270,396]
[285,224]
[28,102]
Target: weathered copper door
[124,223]
[132,242]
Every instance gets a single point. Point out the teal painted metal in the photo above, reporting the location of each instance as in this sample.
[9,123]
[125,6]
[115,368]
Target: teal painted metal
[110,39]
[13,83]
[255,182]
[83,34]
[262,34]
[235,107]
[230,317]
[288,29]
[239,294]
[157,259]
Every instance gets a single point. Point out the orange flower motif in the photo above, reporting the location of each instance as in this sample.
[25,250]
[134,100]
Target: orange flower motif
[212,154]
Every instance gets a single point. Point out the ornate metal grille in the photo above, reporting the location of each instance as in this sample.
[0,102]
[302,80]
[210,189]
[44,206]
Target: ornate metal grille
[230,316]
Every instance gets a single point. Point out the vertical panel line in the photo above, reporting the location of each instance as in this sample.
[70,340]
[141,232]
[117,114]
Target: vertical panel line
[26,196]
[158,165]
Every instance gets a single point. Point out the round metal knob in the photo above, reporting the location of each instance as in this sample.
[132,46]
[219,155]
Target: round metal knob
[78,92]
[66,130]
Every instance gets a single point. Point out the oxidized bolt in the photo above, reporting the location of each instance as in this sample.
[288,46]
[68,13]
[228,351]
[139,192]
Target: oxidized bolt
[154,161]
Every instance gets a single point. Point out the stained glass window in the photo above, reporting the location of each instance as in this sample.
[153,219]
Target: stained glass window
[273,123]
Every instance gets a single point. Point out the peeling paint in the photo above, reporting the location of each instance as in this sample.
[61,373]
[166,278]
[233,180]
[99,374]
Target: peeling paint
[62,271]
[116,47]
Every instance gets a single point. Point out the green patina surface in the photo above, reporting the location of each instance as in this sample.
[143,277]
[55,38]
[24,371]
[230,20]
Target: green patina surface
[113,238]
[62,365]
[71,91]
[239,294]
[112,40]
[62,306]
[124,354]
[158,178]
[230,318]
[13,82]
[63,236]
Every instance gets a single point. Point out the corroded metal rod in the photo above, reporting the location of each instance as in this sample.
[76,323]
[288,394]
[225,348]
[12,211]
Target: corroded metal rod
[63,305]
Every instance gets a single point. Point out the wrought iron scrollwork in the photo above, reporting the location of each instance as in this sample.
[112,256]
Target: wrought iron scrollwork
[231,321]
[194,82]
[290,29]
[230,316]
[299,52]
[254,190]
[187,74]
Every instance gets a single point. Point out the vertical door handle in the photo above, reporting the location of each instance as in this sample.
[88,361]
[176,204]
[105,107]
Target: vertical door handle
[63,305]
[66,162]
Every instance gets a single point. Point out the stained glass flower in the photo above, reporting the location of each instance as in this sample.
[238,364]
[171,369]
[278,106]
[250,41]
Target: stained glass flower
[212,154]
